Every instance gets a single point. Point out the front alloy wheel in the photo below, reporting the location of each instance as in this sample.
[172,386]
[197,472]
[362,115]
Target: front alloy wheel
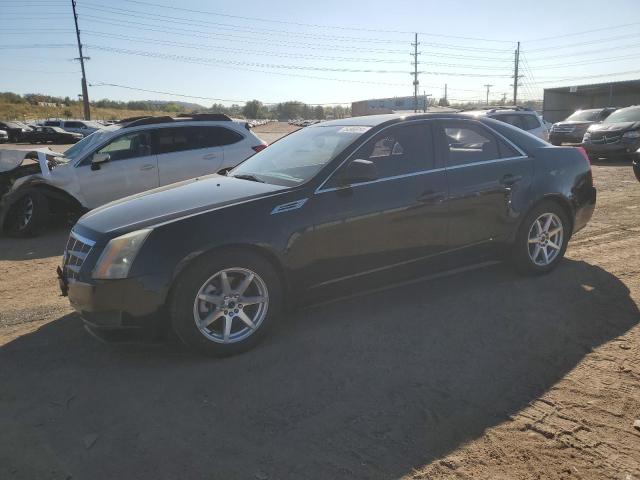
[226,301]
[231,305]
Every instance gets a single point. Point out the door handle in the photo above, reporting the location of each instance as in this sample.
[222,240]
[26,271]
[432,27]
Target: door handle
[209,156]
[510,179]
[146,167]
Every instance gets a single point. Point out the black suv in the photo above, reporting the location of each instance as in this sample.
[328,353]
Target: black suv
[572,129]
[617,136]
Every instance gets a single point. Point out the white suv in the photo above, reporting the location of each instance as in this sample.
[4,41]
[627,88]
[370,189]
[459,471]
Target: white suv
[119,161]
[523,118]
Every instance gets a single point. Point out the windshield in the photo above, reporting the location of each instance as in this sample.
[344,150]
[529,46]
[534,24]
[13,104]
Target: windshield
[299,156]
[624,115]
[584,115]
[85,145]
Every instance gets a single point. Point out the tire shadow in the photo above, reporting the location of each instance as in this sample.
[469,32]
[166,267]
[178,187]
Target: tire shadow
[368,387]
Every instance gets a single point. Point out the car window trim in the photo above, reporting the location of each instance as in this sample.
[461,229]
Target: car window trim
[522,155]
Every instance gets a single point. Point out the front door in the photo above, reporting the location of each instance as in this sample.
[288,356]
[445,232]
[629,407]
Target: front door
[392,221]
[132,168]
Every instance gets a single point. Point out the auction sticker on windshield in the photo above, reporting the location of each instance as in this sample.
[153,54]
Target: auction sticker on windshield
[354,129]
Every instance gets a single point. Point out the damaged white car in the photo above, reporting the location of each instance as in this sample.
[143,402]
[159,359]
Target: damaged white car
[116,162]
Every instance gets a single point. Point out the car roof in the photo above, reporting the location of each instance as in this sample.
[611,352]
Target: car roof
[375,120]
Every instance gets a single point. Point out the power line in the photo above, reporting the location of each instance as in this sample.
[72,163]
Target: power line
[583,32]
[127,87]
[591,42]
[300,24]
[585,62]
[629,72]
[217,61]
[235,28]
[591,52]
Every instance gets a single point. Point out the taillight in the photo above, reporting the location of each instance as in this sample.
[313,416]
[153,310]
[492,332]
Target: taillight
[259,148]
[585,155]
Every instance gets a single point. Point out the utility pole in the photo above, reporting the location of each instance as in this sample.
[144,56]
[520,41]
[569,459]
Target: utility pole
[415,73]
[85,91]
[445,93]
[488,87]
[516,77]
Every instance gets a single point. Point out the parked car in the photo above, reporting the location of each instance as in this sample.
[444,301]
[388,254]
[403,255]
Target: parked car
[333,206]
[122,160]
[15,130]
[636,165]
[572,130]
[521,117]
[50,134]
[83,127]
[4,136]
[617,136]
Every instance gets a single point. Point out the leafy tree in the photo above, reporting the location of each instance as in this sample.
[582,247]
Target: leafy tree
[253,109]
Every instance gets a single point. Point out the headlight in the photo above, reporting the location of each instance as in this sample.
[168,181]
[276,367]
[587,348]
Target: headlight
[119,254]
[633,134]
[587,137]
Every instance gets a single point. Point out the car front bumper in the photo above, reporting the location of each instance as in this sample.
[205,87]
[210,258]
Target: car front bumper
[125,304]
[621,148]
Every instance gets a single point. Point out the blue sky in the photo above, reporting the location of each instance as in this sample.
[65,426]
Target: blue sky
[317,52]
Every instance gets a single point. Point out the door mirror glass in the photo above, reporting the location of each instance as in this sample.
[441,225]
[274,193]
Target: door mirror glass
[359,171]
[100,158]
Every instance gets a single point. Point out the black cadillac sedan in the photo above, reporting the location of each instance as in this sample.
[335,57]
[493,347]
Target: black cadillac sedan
[341,204]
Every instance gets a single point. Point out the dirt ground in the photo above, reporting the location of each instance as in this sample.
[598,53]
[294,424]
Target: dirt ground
[481,375]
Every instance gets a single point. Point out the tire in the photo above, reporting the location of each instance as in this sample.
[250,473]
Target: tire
[204,278]
[524,252]
[33,205]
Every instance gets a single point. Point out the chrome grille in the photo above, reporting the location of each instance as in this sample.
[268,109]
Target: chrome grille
[606,139]
[563,128]
[75,253]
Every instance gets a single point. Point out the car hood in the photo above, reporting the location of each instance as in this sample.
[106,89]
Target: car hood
[10,159]
[613,127]
[171,202]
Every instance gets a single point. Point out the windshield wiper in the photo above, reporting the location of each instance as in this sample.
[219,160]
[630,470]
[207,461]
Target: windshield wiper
[248,176]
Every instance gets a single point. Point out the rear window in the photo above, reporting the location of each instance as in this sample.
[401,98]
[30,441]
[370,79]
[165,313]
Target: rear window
[52,123]
[530,122]
[73,124]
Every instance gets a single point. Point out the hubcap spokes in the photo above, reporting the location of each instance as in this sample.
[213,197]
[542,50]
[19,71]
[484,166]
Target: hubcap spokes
[27,212]
[231,305]
[545,239]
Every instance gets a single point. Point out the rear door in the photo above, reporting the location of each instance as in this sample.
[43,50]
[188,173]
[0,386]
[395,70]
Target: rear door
[489,179]
[187,152]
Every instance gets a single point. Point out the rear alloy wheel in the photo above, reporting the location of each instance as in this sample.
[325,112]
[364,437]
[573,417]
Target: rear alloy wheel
[225,303]
[542,239]
[28,215]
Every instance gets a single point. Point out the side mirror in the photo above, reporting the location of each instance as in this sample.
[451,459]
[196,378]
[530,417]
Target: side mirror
[359,171]
[99,158]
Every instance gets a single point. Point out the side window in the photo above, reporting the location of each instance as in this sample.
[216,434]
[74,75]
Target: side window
[170,140]
[514,120]
[207,137]
[73,125]
[399,150]
[469,144]
[530,122]
[52,123]
[128,146]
